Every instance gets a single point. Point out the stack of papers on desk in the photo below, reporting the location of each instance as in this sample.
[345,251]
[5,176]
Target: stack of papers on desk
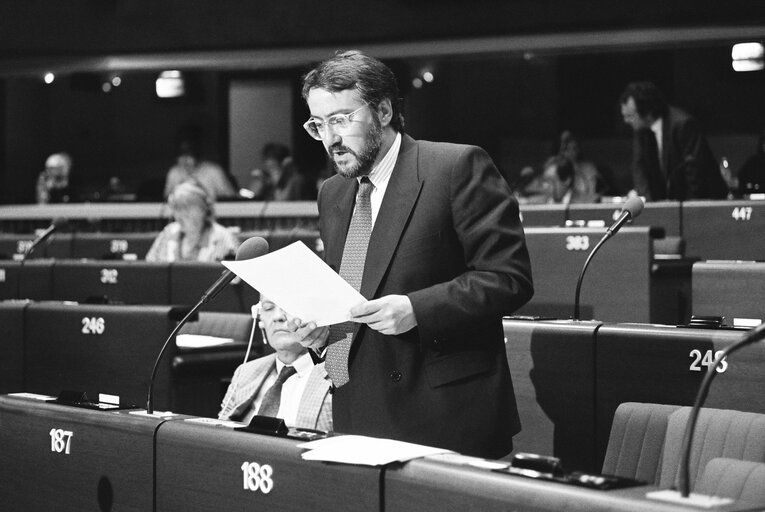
[368,451]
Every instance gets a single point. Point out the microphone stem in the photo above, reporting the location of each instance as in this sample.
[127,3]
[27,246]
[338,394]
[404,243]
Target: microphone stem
[683,476]
[150,398]
[584,269]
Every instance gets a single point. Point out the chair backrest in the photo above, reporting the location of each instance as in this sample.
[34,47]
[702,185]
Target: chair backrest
[738,479]
[636,442]
[719,433]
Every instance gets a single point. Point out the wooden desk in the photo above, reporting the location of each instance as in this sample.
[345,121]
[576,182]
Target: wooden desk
[433,484]
[56,457]
[666,364]
[732,289]
[31,280]
[660,214]
[11,346]
[98,349]
[552,364]
[724,230]
[203,467]
[617,286]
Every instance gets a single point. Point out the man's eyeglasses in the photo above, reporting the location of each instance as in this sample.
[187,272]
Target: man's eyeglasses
[340,124]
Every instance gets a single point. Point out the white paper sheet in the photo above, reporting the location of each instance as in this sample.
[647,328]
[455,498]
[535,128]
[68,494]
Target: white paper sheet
[369,451]
[296,279]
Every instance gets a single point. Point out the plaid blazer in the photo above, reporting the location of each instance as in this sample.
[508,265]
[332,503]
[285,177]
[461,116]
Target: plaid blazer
[314,411]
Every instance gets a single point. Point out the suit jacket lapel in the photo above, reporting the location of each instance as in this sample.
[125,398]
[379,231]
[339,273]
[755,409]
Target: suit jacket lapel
[400,197]
[243,398]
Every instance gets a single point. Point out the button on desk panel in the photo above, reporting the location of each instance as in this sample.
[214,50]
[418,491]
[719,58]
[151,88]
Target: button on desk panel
[56,457]
[202,467]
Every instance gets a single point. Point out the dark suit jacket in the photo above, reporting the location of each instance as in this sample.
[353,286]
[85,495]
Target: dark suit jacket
[690,170]
[448,235]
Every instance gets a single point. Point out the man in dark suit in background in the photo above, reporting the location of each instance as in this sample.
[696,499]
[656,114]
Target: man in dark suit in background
[430,235]
[672,159]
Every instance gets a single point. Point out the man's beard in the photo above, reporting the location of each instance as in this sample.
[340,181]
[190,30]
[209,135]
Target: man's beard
[364,159]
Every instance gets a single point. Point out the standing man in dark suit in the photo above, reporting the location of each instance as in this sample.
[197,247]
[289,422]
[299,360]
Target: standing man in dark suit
[671,157]
[430,235]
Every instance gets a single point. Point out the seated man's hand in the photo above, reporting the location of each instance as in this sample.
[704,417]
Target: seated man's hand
[392,314]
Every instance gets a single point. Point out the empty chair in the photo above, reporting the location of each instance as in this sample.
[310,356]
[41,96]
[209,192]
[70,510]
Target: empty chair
[731,478]
[719,433]
[636,442]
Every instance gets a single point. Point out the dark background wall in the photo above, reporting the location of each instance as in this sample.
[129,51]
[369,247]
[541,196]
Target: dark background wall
[515,104]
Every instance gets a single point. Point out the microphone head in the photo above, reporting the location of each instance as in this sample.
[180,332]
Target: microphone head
[252,248]
[59,222]
[634,206]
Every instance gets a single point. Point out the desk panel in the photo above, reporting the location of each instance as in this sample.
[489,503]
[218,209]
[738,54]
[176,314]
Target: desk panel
[665,364]
[733,289]
[552,366]
[11,346]
[98,349]
[436,484]
[662,214]
[117,282]
[32,279]
[103,246]
[190,279]
[543,215]
[200,467]
[105,464]
[724,230]
[617,286]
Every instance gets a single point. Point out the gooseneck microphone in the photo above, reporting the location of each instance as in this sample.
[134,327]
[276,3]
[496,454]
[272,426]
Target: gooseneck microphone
[250,248]
[683,478]
[57,224]
[631,209]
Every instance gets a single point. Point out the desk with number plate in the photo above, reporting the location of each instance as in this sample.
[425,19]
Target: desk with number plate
[724,230]
[617,286]
[456,484]
[665,364]
[62,458]
[205,467]
[660,214]
[731,289]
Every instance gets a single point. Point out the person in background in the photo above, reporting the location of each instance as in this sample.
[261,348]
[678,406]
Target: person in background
[194,234]
[301,396]
[430,235]
[671,157]
[558,180]
[208,174]
[260,185]
[751,176]
[53,184]
[287,184]
[588,183]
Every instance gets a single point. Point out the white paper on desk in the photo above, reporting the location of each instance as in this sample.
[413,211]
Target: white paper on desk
[296,279]
[369,451]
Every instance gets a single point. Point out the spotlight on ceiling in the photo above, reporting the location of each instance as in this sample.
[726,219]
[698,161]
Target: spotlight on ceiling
[748,57]
[170,84]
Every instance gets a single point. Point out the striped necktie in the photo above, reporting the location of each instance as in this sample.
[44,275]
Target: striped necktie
[352,270]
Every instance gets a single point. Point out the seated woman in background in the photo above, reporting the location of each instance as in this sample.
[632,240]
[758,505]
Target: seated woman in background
[194,234]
